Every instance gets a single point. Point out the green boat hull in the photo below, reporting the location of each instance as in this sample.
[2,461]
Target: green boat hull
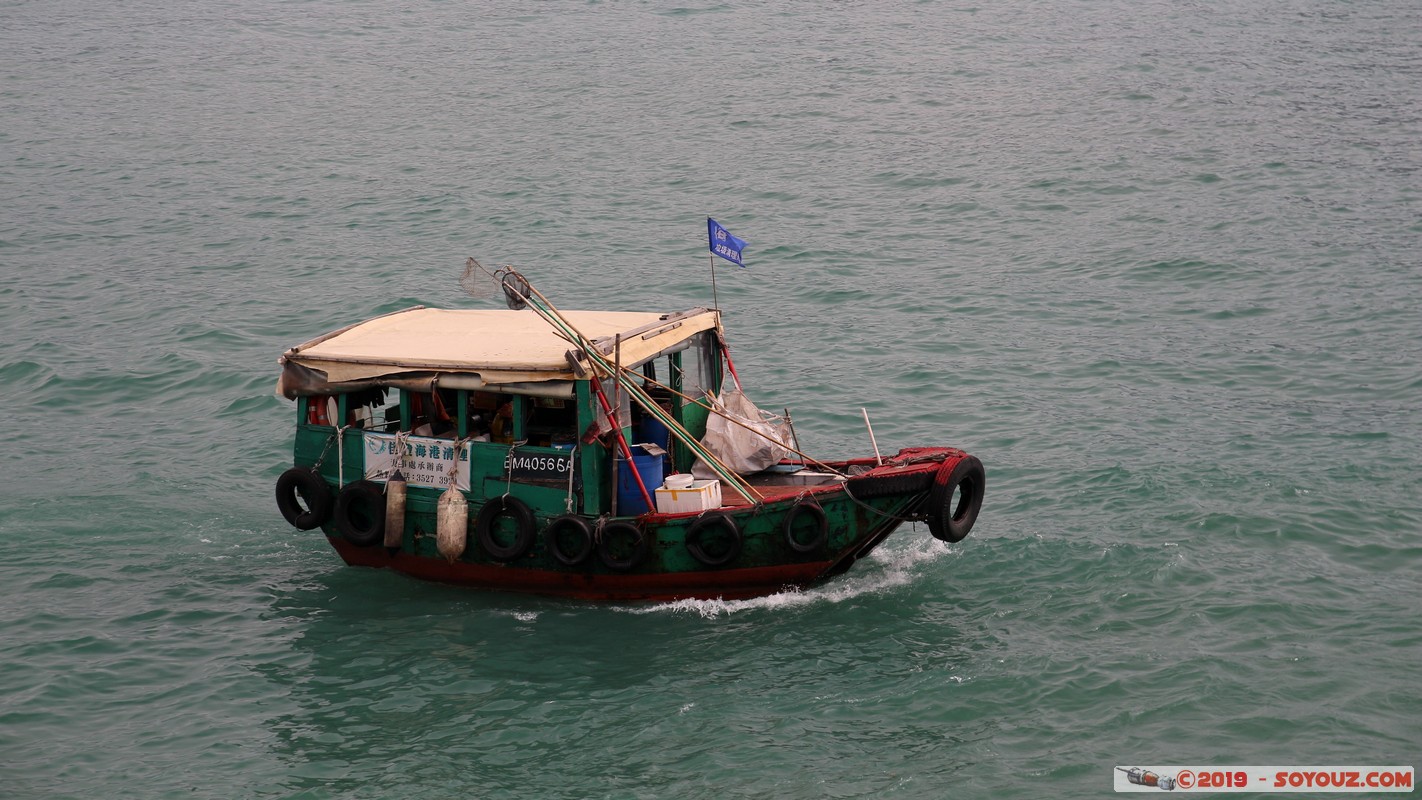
[797,536]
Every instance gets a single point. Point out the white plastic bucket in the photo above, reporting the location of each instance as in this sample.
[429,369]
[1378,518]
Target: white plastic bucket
[680,480]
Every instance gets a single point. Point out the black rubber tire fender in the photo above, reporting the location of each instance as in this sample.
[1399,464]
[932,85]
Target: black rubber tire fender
[951,521]
[569,524]
[638,550]
[304,485]
[360,513]
[888,485]
[821,526]
[704,523]
[523,518]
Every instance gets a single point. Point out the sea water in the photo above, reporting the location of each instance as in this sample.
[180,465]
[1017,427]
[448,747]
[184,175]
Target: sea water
[1155,263]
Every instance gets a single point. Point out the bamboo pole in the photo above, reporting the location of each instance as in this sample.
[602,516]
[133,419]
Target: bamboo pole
[712,460]
[796,450]
[550,314]
[626,451]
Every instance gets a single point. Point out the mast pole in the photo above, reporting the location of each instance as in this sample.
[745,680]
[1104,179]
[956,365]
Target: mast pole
[715,302]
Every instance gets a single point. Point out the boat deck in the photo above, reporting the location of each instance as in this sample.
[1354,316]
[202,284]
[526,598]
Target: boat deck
[791,481]
[774,486]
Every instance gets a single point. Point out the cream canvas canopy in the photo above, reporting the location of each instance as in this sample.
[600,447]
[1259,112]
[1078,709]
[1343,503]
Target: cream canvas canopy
[474,348]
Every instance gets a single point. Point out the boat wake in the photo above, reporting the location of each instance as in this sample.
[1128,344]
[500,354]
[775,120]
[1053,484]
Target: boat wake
[886,568]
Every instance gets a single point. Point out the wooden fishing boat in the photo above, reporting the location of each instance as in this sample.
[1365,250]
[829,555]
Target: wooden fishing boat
[582,454]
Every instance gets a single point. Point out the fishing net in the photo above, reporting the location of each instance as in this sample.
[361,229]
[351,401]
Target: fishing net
[481,284]
[476,281]
[515,289]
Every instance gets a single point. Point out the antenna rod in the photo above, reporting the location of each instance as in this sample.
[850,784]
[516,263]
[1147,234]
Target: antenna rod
[875,442]
[789,423]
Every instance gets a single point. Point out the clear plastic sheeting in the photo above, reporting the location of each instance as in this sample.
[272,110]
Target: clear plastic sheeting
[743,437]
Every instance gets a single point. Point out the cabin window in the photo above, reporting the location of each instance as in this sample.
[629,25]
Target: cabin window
[699,371]
[621,401]
[434,413]
[552,422]
[649,428]
[368,410]
[491,416]
[321,409]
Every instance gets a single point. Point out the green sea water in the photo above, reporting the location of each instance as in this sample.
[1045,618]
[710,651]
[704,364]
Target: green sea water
[1156,264]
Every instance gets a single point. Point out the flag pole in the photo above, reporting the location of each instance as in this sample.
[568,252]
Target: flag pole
[715,303]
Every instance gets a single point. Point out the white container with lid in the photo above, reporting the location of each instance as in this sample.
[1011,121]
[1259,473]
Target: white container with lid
[677,480]
[697,496]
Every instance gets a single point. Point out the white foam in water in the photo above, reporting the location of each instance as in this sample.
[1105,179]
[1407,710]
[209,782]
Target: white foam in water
[891,564]
[517,614]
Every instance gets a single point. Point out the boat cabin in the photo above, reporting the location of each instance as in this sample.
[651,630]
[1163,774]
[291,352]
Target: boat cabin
[497,403]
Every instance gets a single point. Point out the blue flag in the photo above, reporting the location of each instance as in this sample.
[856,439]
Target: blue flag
[724,244]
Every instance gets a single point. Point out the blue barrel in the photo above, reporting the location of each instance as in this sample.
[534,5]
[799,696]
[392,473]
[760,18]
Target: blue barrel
[654,432]
[629,497]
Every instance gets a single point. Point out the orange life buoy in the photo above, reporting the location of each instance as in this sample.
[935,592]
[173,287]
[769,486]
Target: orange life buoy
[318,409]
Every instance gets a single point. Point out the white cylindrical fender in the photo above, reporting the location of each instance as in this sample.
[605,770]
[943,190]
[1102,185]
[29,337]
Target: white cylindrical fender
[453,524]
[395,491]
